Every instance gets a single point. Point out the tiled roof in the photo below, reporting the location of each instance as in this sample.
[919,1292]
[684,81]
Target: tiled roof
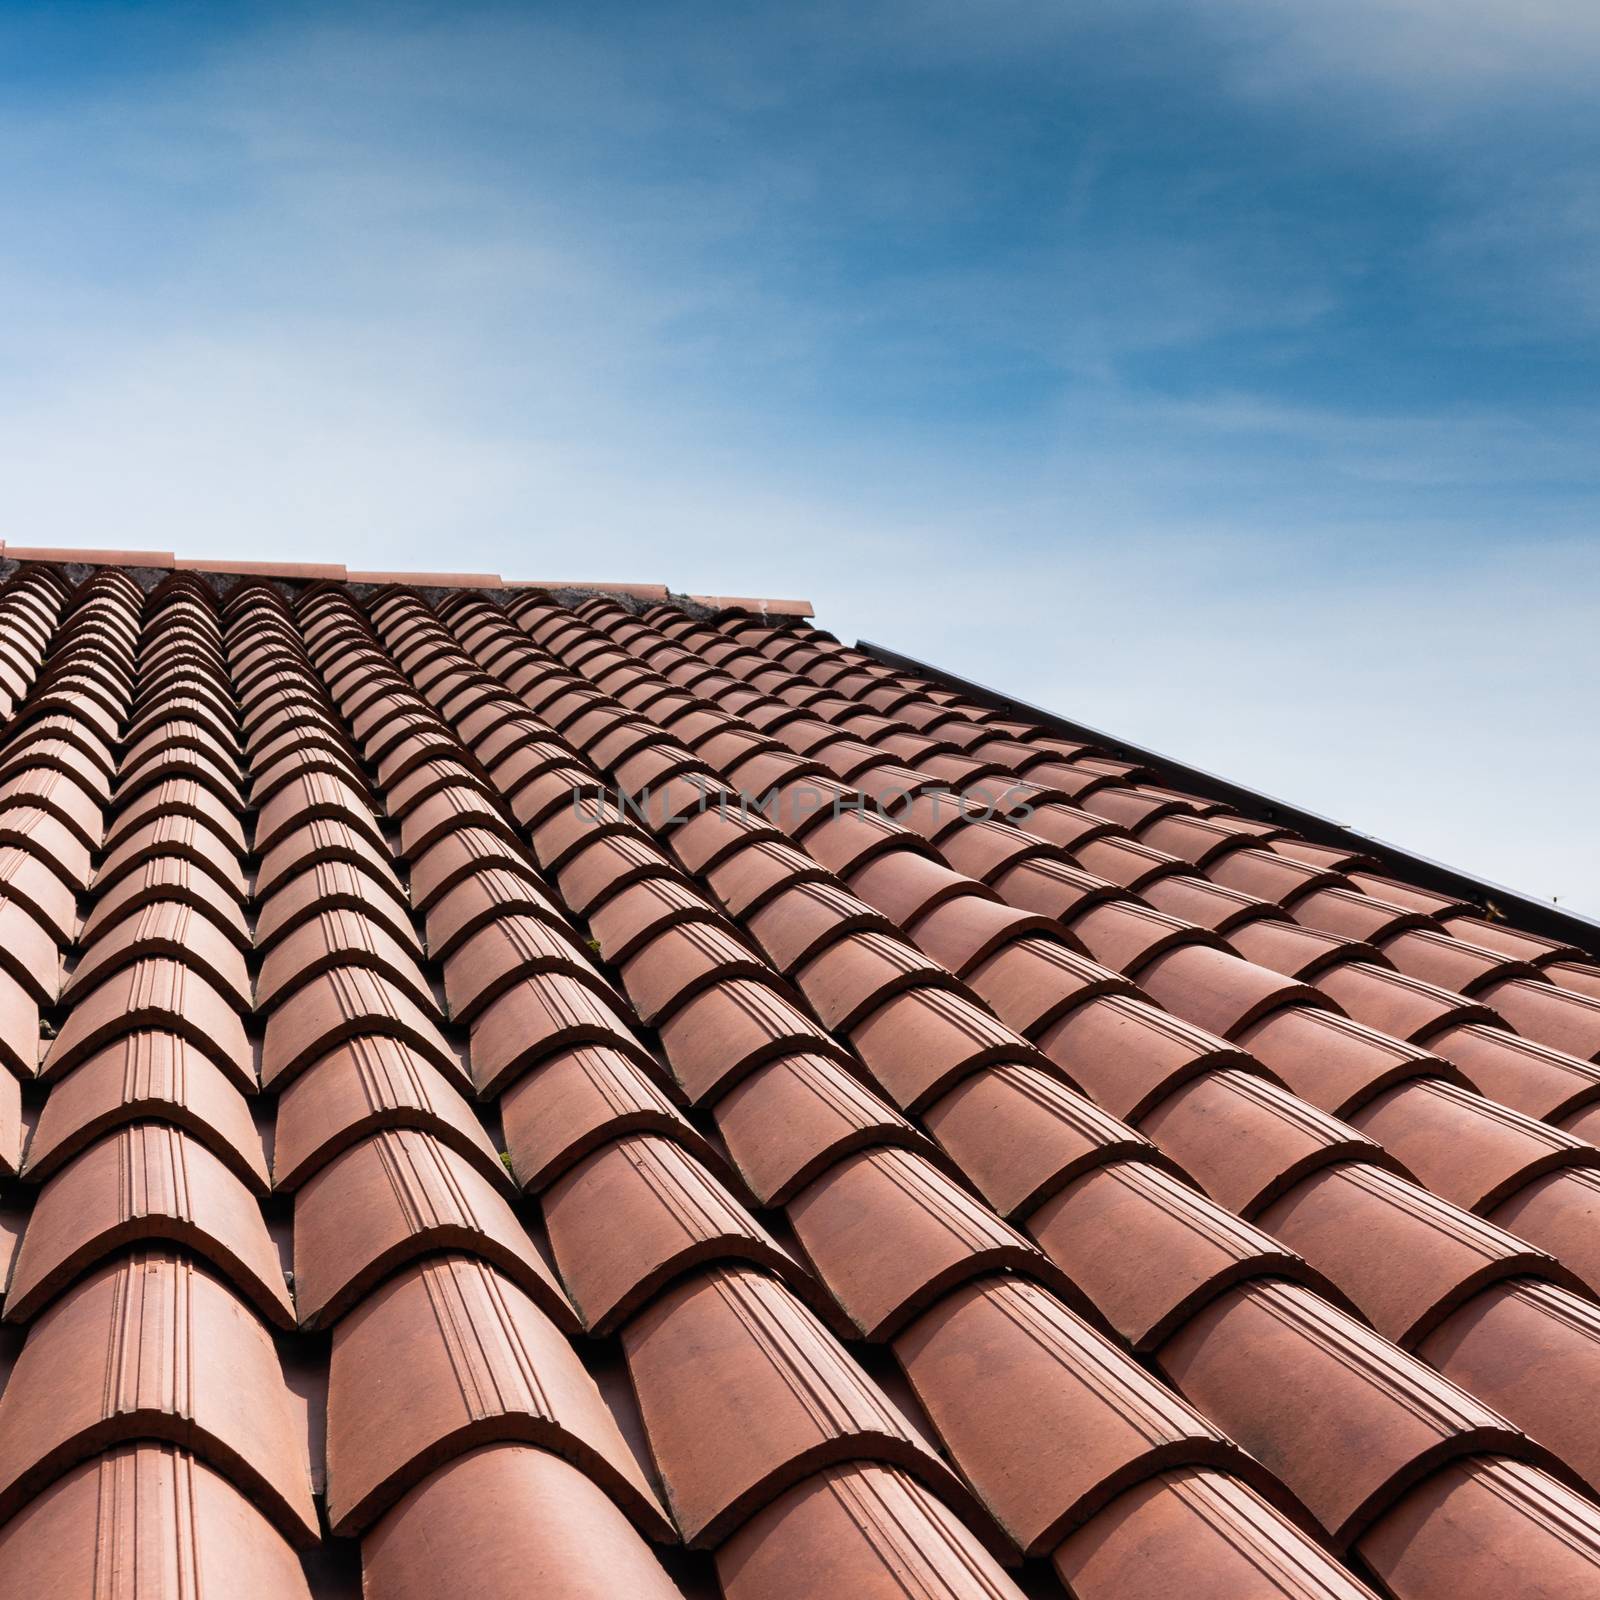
[563,1090]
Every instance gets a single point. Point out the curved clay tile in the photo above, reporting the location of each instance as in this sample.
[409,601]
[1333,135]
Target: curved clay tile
[633,917]
[311,797]
[606,867]
[1222,992]
[510,948]
[482,1365]
[155,992]
[368,1083]
[1405,1257]
[1450,962]
[852,978]
[33,828]
[175,834]
[1559,1212]
[568,1105]
[1471,926]
[683,961]
[1057,889]
[1245,1141]
[510,1516]
[1033,982]
[789,1120]
[862,1530]
[1348,1421]
[334,886]
[1581,977]
[1047,1418]
[1273,877]
[338,937]
[1487,1345]
[1464,1147]
[146,1182]
[1296,952]
[1413,899]
[888,1234]
[1406,1007]
[538,1016]
[456,856]
[1336,1064]
[799,923]
[340,1004]
[1353,915]
[29,952]
[170,928]
[1202,1535]
[396,1196]
[1019,1134]
[747,879]
[325,839]
[29,883]
[1487,1528]
[60,794]
[729,1030]
[782,1401]
[920,1043]
[1149,1251]
[1561,1018]
[148,1076]
[154,1348]
[147,1516]
[481,898]
[168,878]
[639,1213]
[1125,934]
[10,1123]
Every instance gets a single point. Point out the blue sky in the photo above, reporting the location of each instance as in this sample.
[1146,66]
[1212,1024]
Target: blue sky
[1224,374]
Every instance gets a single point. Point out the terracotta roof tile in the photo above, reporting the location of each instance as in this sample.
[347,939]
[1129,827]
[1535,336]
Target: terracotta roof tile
[437,900]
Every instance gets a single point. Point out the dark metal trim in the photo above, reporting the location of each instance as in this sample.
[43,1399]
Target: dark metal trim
[1536,916]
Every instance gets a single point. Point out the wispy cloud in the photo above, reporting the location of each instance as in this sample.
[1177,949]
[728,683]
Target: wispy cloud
[1211,372]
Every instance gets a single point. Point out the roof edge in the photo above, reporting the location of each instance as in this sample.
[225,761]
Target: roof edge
[1537,916]
[163,561]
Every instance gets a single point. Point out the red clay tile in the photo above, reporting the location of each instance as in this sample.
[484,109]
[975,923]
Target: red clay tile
[888,1234]
[1222,992]
[508,949]
[1033,982]
[153,1348]
[1298,952]
[445,1358]
[1464,1147]
[782,1402]
[330,886]
[1487,1527]
[1150,1251]
[1405,1257]
[1528,1348]
[147,1182]
[155,992]
[862,1530]
[1530,1078]
[1245,1141]
[148,1076]
[1561,1018]
[787,1121]
[1200,1535]
[1127,1055]
[1272,877]
[1345,1419]
[1019,1134]
[369,1083]
[538,1016]
[396,1196]
[1047,1419]
[729,1030]
[1404,894]
[167,928]
[153,1514]
[1336,1064]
